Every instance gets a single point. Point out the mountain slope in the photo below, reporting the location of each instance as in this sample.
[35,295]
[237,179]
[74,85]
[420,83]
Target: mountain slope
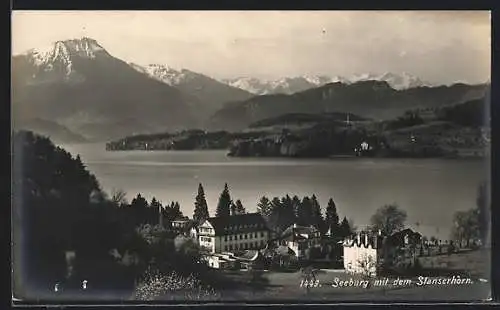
[373,99]
[56,132]
[211,93]
[78,84]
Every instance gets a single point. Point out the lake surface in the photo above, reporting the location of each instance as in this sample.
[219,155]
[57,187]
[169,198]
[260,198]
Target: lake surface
[430,190]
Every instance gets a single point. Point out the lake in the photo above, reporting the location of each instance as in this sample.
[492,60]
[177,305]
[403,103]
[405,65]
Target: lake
[430,190]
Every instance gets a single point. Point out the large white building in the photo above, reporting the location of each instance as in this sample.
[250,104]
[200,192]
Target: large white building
[363,253]
[233,233]
[366,252]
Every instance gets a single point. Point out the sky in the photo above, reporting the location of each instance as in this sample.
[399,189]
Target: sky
[437,46]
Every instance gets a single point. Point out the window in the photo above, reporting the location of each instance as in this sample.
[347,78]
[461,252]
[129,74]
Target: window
[230,247]
[241,237]
[246,236]
[255,235]
[230,238]
[225,238]
[225,248]
[262,234]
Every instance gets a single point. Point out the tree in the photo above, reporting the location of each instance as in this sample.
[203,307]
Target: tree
[286,212]
[304,212]
[316,215]
[345,228]
[388,219]
[332,218]
[296,203]
[224,205]
[52,194]
[264,207]
[466,226]
[139,202]
[275,203]
[119,197]
[155,211]
[200,206]
[172,212]
[139,207]
[239,207]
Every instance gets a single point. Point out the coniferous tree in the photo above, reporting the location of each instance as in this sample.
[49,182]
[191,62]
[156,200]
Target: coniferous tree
[139,202]
[275,203]
[345,228]
[139,207]
[177,207]
[264,207]
[304,212]
[332,218]
[316,214]
[240,209]
[287,214]
[200,206]
[296,203]
[155,209]
[274,218]
[224,205]
[173,212]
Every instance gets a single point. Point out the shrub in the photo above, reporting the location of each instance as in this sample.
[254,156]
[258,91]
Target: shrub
[156,286]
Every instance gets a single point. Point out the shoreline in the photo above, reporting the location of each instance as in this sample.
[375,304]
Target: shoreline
[329,157]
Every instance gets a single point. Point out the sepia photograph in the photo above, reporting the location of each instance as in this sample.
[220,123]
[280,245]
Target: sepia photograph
[250,156]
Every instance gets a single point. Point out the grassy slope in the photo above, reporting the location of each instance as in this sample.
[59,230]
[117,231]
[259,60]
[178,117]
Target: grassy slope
[286,286]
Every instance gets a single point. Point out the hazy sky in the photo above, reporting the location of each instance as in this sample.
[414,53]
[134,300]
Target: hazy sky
[436,46]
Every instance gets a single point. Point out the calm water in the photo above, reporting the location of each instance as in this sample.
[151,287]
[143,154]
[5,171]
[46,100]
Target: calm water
[430,190]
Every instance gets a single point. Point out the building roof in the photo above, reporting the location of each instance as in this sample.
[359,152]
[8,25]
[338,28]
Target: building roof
[399,237]
[248,255]
[242,223]
[296,233]
[364,239]
[375,240]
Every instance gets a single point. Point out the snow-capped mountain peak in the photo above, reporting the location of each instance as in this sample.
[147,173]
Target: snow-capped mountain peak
[65,50]
[165,73]
[396,81]
[60,55]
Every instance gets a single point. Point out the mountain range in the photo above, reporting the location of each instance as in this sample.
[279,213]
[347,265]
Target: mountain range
[372,99]
[76,90]
[290,85]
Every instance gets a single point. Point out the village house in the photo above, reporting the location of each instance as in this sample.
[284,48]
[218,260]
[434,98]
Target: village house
[233,233]
[300,239]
